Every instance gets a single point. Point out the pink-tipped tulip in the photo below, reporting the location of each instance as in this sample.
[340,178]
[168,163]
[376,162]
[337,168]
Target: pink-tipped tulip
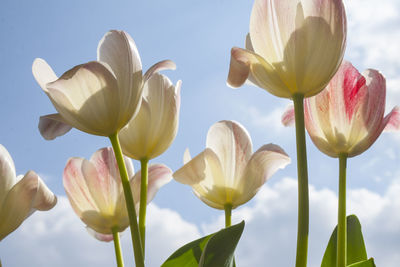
[154,128]
[348,116]
[19,198]
[95,191]
[294,46]
[227,172]
[98,97]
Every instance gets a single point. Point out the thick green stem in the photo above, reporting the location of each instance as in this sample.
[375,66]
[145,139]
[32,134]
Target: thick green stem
[228,222]
[228,215]
[341,230]
[143,200]
[302,174]
[130,204]
[117,246]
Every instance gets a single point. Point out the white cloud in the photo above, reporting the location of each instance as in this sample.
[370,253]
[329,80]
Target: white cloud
[270,121]
[373,40]
[58,238]
[270,232]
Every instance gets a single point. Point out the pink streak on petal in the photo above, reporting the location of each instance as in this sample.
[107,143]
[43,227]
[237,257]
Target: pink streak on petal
[353,82]
[159,175]
[288,116]
[76,187]
[392,120]
[239,68]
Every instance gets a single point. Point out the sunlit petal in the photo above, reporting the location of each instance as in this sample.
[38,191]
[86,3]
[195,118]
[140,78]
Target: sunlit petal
[7,173]
[43,73]
[29,194]
[232,144]
[226,172]
[87,97]
[154,128]
[262,165]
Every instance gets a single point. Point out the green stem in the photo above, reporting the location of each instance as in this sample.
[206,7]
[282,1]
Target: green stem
[342,231]
[228,222]
[143,200]
[130,204]
[117,246]
[228,215]
[302,174]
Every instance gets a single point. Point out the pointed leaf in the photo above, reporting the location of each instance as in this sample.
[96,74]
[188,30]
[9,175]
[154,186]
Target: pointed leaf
[220,248]
[190,254]
[367,263]
[355,245]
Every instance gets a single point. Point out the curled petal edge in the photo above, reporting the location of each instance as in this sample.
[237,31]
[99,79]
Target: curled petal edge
[52,126]
[239,67]
[100,236]
[159,66]
[392,120]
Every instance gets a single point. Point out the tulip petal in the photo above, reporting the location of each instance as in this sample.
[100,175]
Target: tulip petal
[103,179]
[261,166]
[155,126]
[87,98]
[239,68]
[288,116]
[99,236]
[7,173]
[392,121]
[204,165]
[134,137]
[232,144]
[76,187]
[293,36]
[52,126]
[186,156]
[43,73]
[375,107]
[246,64]
[159,66]
[164,106]
[28,195]
[158,175]
[119,51]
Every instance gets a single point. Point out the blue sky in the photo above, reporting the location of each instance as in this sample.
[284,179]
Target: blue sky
[197,36]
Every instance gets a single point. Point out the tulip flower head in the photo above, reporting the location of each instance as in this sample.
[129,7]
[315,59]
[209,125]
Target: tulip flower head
[227,172]
[95,191]
[154,128]
[348,116]
[19,198]
[98,97]
[294,46]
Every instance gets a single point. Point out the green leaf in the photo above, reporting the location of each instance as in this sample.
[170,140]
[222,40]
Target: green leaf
[220,248]
[367,263]
[190,254]
[355,245]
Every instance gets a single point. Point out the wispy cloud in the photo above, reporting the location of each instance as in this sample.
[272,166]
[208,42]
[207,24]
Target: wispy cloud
[270,231]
